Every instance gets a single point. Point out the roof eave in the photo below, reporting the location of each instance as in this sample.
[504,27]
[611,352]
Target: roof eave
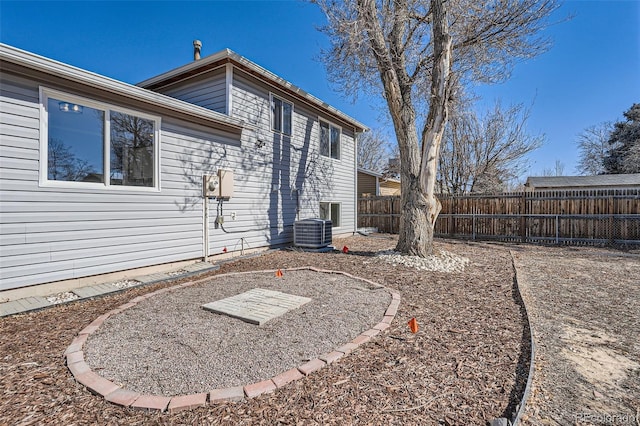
[241,62]
[28,60]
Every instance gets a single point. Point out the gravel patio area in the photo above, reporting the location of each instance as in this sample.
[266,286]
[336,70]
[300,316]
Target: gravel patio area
[466,365]
[169,345]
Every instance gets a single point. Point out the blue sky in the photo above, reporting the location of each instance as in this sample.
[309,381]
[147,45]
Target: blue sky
[591,75]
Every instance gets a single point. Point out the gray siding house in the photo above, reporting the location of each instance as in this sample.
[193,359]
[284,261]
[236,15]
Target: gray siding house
[102,177]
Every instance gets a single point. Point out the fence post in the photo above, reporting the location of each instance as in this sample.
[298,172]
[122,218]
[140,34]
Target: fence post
[612,211]
[557,229]
[523,217]
[473,226]
[452,210]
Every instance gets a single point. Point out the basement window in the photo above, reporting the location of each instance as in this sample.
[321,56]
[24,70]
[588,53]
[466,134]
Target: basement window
[88,143]
[330,211]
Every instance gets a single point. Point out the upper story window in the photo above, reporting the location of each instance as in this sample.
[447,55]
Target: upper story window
[88,142]
[329,140]
[281,115]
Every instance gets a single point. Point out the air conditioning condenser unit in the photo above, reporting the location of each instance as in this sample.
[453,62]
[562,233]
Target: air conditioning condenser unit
[312,233]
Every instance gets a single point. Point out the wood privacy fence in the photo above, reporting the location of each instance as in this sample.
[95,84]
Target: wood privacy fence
[561,217]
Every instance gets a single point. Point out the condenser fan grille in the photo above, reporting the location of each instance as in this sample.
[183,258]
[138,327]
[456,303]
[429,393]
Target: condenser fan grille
[313,233]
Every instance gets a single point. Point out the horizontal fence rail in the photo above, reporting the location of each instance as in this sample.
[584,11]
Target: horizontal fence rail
[561,217]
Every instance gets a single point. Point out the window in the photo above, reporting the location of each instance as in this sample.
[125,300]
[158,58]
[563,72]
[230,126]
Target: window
[281,115]
[329,140]
[90,142]
[331,211]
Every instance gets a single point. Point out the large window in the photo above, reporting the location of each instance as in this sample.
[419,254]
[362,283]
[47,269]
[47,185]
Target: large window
[330,211]
[329,140]
[281,115]
[90,142]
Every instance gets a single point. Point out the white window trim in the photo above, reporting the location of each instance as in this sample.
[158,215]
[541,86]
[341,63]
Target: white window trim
[271,97]
[45,94]
[339,203]
[320,120]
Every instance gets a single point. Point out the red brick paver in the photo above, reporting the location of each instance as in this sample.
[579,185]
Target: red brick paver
[185,402]
[361,339]
[371,333]
[78,368]
[331,357]
[347,348]
[97,384]
[151,402]
[122,397]
[229,394]
[74,357]
[311,366]
[255,389]
[287,377]
[381,326]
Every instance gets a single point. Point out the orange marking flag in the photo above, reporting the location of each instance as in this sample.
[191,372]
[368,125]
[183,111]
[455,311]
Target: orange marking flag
[278,273]
[413,325]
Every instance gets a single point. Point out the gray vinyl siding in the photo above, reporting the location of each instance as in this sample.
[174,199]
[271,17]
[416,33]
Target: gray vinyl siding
[57,233]
[207,91]
[297,160]
[53,233]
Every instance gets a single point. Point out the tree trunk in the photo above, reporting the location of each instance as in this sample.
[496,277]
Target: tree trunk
[416,232]
[437,118]
[420,207]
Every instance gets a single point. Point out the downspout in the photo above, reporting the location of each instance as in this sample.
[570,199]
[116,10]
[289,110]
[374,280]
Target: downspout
[356,136]
[229,88]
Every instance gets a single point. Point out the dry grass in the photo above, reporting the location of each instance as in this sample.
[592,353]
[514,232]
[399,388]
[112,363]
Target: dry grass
[584,305]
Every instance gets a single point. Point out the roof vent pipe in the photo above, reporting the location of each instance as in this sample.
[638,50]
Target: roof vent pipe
[197,45]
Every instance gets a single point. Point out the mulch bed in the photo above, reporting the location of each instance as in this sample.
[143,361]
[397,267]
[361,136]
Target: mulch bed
[466,365]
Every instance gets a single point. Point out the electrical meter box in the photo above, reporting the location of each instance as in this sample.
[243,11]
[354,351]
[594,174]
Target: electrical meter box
[225,179]
[210,184]
[218,186]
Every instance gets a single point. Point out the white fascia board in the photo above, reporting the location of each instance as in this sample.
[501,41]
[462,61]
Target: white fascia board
[49,66]
[369,172]
[267,76]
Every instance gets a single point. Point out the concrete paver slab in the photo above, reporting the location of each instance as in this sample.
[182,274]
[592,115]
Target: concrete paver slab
[200,266]
[153,277]
[95,290]
[257,306]
[10,308]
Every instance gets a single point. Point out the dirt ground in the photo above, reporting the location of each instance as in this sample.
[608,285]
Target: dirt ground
[466,365]
[584,306]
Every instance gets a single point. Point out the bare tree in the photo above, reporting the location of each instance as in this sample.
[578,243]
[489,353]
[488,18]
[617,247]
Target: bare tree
[485,154]
[556,170]
[593,144]
[131,150]
[373,151]
[62,164]
[417,52]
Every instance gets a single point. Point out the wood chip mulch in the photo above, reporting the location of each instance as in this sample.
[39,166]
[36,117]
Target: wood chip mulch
[466,365]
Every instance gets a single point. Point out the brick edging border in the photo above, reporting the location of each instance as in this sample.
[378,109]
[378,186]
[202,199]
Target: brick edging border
[118,395]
